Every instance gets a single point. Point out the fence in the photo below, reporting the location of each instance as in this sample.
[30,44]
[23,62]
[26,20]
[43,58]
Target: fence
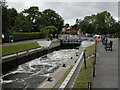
[70,79]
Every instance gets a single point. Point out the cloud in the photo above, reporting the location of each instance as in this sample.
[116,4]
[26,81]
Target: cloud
[69,10]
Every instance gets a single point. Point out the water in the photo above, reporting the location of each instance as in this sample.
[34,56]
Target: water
[87,43]
[31,74]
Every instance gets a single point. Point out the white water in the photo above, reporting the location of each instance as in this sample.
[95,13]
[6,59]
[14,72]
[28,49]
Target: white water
[42,66]
[38,68]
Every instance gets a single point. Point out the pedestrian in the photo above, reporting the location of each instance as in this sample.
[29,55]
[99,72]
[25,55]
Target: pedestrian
[106,41]
[3,36]
[111,43]
[96,39]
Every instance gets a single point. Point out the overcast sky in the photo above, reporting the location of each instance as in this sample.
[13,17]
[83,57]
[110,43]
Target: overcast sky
[69,9]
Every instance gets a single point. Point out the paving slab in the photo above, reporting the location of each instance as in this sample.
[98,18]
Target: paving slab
[106,66]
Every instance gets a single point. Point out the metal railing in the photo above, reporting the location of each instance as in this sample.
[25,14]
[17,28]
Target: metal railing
[71,78]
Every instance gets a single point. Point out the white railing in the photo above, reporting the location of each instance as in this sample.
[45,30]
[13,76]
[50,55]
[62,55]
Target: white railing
[77,66]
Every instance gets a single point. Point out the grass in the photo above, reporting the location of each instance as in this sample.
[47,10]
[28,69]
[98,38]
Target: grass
[17,48]
[90,50]
[63,78]
[85,75]
[24,41]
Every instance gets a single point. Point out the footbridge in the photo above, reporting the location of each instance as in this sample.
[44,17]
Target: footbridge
[71,39]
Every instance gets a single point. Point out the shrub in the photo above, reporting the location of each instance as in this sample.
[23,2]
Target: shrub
[22,36]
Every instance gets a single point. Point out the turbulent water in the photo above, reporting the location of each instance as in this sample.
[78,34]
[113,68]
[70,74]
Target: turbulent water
[31,74]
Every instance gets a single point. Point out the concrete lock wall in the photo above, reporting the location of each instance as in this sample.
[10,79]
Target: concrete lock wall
[12,63]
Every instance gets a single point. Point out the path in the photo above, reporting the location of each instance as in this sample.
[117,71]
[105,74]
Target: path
[106,67]
[24,42]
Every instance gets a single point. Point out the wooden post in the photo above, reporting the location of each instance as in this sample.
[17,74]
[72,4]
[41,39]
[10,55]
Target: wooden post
[84,59]
[89,86]
[95,49]
[94,69]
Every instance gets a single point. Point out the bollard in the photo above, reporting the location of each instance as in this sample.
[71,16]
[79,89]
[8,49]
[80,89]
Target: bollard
[95,51]
[75,61]
[95,58]
[76,53]
[84,59]
[64,65]
[89,86]
[49,78]
[94,69]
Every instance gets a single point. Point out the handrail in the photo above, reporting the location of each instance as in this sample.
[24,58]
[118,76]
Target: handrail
[66,81]
[20,51]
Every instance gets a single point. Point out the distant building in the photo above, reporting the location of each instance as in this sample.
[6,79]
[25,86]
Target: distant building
[70,31]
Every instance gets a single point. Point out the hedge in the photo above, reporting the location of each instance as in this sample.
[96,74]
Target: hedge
[22,36]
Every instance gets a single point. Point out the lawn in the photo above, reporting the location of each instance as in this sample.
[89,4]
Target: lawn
[90,50]
[17,48]
[85,75]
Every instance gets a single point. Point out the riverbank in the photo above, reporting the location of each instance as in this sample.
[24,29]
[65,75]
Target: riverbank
[85,75]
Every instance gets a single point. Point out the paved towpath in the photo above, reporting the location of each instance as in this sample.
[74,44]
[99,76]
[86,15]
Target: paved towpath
[106,67]
[24,42]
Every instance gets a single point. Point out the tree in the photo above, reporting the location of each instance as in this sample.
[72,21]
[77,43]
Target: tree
[12,14]
[22,24]
[51,18]
[48,30]
[104,22]
[5,19]
[8,18]
[100,23]
[33,15]
[66,25]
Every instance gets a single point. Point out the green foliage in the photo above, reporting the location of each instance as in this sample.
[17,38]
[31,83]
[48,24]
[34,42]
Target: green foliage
[67,25]
[8,18]
[51,29]
[48,30]
[101,23]
[44,31]
[118,34]
[51,18]
[33,16]
[23,36]
[30,20]
[22,24]
[5,19]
